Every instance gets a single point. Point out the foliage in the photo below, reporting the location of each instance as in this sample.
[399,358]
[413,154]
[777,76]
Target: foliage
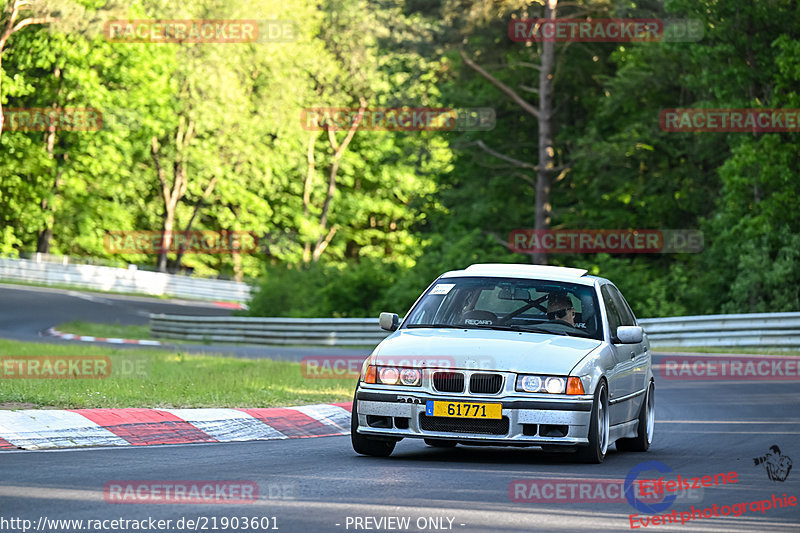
[406,206]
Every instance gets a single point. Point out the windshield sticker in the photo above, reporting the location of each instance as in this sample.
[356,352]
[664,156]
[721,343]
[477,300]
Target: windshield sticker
[476,322]
[442,288]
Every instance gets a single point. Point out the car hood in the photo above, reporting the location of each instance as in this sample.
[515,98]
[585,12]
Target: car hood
[507,351]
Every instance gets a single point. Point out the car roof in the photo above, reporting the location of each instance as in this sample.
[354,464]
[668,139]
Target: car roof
[516,270]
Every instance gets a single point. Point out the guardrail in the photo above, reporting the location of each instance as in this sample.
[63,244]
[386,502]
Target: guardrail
[131,280]
[749,330]
[765,330]
[257,330]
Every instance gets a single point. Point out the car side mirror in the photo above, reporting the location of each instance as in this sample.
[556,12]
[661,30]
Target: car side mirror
[630,334]
[390,321]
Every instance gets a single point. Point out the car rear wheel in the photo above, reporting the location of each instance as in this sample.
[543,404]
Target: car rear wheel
[647,420]
[595,452]
[367,445]
[438,443]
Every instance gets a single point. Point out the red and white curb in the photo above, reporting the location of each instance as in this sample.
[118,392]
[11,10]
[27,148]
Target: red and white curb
[34,429]
[53,332]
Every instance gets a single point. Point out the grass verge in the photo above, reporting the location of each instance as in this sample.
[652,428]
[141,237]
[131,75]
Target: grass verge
[156,378]
[105,330]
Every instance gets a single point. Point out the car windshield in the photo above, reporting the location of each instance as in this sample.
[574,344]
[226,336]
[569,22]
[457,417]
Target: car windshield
[513,304]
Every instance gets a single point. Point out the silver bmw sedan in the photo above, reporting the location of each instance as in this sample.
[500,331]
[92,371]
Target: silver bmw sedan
[510,355]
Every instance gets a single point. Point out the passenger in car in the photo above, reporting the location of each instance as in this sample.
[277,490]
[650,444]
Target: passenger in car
[586,318]
[559,307]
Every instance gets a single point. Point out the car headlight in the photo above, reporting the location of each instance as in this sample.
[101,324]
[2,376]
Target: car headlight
[551,384]
[529,383]
[410,376]
[390,375]
[555,385]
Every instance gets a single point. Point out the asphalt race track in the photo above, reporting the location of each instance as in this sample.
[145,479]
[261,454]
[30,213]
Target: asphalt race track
[25,312]
[319,484]
[314,484]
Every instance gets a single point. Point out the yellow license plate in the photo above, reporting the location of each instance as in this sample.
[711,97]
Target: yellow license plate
[464,409]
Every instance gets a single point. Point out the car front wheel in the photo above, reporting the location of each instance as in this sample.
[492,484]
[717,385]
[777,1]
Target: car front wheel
[367,445]
[595,452]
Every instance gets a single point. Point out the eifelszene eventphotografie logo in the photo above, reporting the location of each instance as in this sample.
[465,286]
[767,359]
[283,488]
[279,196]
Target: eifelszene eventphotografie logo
[778,466]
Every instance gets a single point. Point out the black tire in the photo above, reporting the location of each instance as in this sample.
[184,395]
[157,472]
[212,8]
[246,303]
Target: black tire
[439,443]
[366,445]
[595,452]
[644,436]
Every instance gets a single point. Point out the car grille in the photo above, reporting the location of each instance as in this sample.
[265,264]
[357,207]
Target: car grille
[464,425]
[448,381]
[485,383]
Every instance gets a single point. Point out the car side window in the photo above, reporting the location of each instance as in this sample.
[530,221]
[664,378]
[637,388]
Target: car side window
[614,319]
[622,306]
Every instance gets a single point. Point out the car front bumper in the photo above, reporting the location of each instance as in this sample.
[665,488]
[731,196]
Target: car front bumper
[527,420]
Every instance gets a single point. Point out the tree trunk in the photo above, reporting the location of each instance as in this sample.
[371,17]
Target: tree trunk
[326,234]
[172,195]
[2,118]
[48,209]
[43,241]
[307,184]
[206,193]
[166,238]
[544,117]
[238,272]
[546,151]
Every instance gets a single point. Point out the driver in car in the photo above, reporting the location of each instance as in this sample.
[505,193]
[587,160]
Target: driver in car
[559,307]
